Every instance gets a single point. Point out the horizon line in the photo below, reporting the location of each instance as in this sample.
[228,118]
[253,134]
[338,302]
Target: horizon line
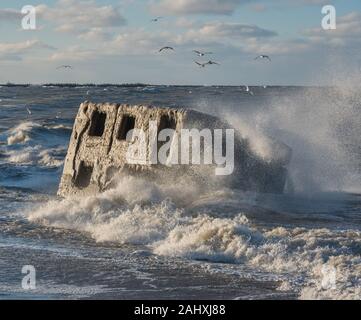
[136,84]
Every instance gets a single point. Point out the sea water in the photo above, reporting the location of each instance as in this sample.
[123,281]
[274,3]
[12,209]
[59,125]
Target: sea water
[147,240]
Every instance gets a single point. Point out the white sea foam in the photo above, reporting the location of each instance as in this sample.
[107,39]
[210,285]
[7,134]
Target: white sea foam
[322,127]
[22,150]
[20,133]
[261,144]
[34,156]
[139,212]
[58,127]
[18,137]
[47,159]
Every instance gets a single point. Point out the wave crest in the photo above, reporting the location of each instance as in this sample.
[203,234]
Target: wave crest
[139,212]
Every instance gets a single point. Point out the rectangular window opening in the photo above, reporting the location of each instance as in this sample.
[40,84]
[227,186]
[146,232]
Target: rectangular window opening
[127,124]
[166,122]
[97,125]
[84,175]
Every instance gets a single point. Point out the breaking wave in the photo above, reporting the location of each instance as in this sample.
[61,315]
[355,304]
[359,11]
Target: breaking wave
[222,227]
[321,125]
[30,143]
[35,156]
[143,213]
[20,133]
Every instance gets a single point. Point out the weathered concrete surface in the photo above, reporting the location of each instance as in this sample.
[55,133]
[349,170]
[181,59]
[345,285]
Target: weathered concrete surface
[97,151]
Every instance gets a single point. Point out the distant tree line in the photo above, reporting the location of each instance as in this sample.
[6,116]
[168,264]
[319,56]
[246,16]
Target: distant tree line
[73,85]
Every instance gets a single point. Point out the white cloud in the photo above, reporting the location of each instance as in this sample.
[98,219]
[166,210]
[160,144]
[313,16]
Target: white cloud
[80,16]
[348,31]
[222,34]
[179,7]
[133,42]
[213,36]
[278,47]
[140,42]
[347,26]
[15,51]
[95,34]
[233,30]
[264,5]
[10,15]
[74,53]
[226,38]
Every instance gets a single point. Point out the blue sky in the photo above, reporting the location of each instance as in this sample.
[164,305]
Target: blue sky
[115,41]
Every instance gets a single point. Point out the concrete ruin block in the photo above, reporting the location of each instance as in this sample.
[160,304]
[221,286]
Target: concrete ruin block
[98,147]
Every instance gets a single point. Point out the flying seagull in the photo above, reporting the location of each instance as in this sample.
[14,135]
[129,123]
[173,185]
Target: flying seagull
[212,62]
[166,48]
[248,90]
[156,19]
[262,56]
[201,54]
[65,67]
[29,111]
[202,65]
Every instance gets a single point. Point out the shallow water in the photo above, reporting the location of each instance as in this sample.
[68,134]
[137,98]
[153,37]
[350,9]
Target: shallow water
[146,240]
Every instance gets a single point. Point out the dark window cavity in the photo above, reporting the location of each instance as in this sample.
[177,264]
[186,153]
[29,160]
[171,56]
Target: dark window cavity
[127,124]
[84,175]
[97,125]
[166,122]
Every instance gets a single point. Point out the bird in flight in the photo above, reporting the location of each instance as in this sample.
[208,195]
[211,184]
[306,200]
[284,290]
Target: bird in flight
[203,65]
[249,91]
[65,67]
[156,19]
[166,48]
[212,62]
[29,111]
[262,56]
[201,54]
